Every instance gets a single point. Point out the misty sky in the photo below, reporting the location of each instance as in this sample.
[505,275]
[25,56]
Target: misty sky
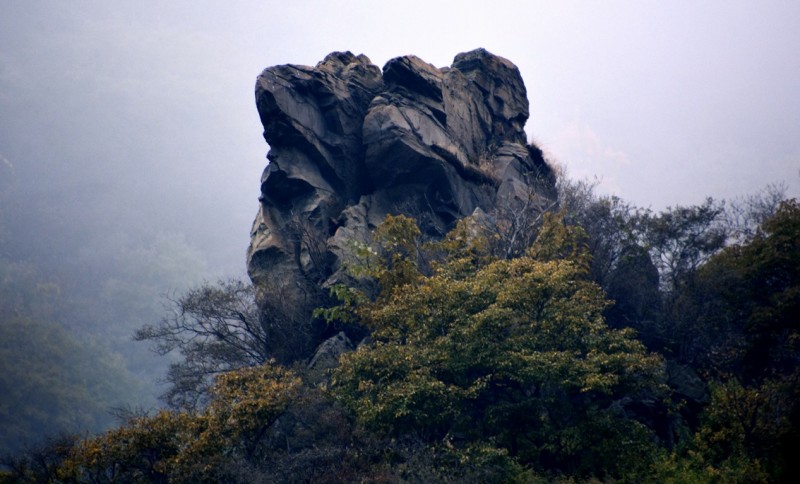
[142,112]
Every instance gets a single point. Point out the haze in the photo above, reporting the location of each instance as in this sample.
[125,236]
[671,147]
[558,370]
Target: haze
[147,108]
[131,150]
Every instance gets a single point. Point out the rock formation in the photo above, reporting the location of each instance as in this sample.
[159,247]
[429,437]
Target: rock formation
[351,143]
[327,356]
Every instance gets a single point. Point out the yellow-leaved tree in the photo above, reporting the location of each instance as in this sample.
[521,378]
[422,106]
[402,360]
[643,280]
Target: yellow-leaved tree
[500,359]
[207,446]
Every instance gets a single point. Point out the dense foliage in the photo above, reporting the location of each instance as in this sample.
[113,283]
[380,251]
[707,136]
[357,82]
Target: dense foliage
[188,447]
[513,356]
[488,366]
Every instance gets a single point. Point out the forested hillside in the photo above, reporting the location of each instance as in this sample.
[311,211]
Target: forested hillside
[73,290]
[483,367]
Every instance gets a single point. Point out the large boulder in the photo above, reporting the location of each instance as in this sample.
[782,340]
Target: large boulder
[351,143]
[326,357]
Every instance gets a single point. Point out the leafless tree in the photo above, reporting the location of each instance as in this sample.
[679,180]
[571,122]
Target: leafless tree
[744,215]
[512,225]
[214,328]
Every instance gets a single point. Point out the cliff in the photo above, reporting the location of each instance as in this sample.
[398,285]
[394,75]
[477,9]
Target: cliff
[351,143]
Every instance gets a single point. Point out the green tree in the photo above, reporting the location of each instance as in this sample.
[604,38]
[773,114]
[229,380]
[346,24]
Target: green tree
[681,239]
[744,305]
[616,236]
[769,301]
[513,355]
[745,301]
[742,437]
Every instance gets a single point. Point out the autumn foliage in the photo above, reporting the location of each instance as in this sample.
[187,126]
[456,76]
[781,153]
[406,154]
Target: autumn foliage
[481,368]
[513,356]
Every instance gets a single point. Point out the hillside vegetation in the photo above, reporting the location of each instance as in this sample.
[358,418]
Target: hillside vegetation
[619,345]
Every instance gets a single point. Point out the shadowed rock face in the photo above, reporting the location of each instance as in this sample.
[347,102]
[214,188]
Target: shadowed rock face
[350,143]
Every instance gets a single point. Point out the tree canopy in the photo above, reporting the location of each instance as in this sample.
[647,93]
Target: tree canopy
[513,352]
[479,367]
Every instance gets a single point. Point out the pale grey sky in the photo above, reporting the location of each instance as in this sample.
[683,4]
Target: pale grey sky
[665,102]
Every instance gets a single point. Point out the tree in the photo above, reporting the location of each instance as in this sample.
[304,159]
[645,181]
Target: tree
[681,239]
[769,301]
[746,434]
[745,215]
[40,462]
[744,303]
[749,425]
[178,446]
[744,307]
[616,239]
[613,227]
[514,354]
[512,226]
[216,329]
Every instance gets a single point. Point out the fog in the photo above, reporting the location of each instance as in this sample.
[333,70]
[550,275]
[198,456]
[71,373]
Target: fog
[131,150]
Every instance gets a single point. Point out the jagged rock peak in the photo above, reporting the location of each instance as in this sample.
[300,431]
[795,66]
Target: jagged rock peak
[351,143]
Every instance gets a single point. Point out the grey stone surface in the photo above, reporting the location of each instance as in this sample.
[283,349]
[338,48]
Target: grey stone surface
[686,383]
[351,143]
[327,356]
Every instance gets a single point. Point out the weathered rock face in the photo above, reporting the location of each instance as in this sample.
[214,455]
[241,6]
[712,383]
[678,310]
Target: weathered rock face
[350,143]
[327,356]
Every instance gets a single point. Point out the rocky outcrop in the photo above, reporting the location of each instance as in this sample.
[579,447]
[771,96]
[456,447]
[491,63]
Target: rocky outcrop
[351,143]
[327,356]
[686,384]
